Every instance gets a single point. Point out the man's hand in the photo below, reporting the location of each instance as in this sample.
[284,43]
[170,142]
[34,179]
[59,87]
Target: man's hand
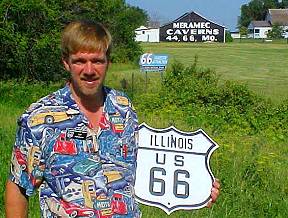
[215,191]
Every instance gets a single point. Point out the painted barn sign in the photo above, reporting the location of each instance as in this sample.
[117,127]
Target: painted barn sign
[191,27]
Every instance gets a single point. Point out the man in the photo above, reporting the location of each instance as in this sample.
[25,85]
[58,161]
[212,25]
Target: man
[78,144]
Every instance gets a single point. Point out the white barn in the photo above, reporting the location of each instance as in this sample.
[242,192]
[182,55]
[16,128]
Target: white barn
[145,34]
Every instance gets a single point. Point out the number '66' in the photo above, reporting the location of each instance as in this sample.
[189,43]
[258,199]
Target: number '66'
[146,59]
[176,183]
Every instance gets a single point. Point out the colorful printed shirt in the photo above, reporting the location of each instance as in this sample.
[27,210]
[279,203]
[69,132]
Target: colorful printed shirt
[79,172]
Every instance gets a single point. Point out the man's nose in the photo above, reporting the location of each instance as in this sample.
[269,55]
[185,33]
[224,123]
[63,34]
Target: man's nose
[88,68]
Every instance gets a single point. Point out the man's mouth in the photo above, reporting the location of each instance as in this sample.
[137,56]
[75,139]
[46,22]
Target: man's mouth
[90,81]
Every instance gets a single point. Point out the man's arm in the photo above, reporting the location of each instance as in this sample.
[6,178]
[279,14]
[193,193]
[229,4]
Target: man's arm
[16,202]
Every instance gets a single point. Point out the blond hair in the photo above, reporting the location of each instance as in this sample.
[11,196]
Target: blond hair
[85,36]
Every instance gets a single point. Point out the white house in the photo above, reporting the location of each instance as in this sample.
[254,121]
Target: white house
[235,34]
[280,17]
[259,29]
[144,34]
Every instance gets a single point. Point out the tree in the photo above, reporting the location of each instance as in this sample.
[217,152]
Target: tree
[228,37]
[276,32]
[30,33]
[256,10]
[283,4]
[243,31]
[122,27]
[245,17]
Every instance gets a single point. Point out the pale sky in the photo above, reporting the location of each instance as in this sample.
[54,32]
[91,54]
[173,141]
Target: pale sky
[223,12]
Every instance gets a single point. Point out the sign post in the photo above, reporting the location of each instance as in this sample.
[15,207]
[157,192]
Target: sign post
[153,63]
[173,169]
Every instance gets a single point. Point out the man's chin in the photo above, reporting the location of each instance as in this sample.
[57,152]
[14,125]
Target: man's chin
[87,92]
[90,92]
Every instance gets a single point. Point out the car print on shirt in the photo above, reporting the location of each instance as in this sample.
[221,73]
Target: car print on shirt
[118,204]
[122,100]
[37,174]
[20,158]
[87,167]
[117,122]
[116,179]
[112,175]
[102,205]
[55,207]
[66,209]
[18,163]
[89,192]
[50,115]
[33,158]
[64,145]
[104,121]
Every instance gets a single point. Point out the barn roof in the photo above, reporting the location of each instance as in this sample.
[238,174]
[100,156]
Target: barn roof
[279,16]
[190,14]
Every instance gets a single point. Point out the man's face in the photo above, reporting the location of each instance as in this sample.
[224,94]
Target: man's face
[88,71]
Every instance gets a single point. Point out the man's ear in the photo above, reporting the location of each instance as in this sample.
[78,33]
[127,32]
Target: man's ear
[65,63]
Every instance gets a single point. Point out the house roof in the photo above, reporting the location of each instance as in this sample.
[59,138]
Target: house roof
[257,23]
[141,28]
[279,16]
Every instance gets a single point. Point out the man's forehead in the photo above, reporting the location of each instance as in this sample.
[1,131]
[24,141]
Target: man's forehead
[88,54]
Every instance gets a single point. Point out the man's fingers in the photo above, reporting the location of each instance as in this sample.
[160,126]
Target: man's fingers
[214,194]
[215,191]
[216,184]
[209,204]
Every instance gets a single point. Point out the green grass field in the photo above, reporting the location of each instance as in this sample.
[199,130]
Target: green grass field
[262,66]
[252,168]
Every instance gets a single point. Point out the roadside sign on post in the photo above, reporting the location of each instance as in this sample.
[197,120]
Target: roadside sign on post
[153,62]
[173,169]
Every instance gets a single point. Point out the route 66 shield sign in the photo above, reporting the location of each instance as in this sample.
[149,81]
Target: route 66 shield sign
[173,169]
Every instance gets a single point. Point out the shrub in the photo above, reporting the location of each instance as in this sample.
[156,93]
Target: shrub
[228,37]
[276,32]
[228,107]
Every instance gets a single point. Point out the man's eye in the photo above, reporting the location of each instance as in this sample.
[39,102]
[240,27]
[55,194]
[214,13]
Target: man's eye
[77,62]
[98,61]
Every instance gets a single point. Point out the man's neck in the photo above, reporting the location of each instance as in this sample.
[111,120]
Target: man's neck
[90,106]
[89,103]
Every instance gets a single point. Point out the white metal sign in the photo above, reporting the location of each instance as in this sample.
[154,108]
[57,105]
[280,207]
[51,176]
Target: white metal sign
[173,169]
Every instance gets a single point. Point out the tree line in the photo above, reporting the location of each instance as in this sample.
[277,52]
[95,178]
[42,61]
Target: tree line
[30,33]
[257,10]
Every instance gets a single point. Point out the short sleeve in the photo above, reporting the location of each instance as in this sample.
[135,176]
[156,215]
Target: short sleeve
[27,166]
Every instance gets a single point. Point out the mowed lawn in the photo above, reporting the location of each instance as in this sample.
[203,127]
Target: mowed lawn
[263,66]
